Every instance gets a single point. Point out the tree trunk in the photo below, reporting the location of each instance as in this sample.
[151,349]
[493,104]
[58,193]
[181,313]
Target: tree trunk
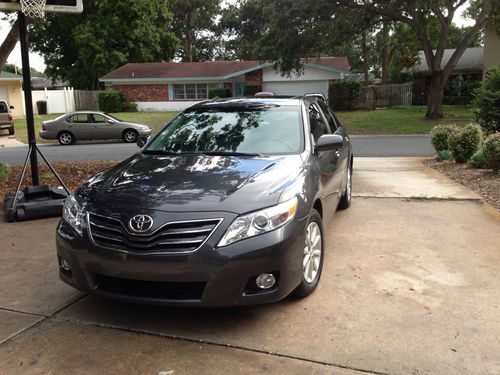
[9,43]
[189,39]
[385,64]
[435,97]
[364,52]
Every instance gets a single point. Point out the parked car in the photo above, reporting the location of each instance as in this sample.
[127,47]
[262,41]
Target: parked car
[6,120]
[75,126]
[226,205]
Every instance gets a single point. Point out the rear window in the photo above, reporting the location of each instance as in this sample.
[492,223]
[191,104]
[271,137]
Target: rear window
[3,107]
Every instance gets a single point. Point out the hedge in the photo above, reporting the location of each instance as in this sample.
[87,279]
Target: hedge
[110,101]
[344,94]
[251,90]
[218,92]
[486,104]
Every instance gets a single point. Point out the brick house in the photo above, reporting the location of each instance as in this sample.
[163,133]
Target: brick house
[175,86]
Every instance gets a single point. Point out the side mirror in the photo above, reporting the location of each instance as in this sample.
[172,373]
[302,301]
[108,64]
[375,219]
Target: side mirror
[142,141]
[329,142]
[11,107]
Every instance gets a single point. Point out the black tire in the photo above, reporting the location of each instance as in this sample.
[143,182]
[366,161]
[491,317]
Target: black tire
[11,131]
[305,288]
[345,200]
[130,135]
[11,215]
[66,138]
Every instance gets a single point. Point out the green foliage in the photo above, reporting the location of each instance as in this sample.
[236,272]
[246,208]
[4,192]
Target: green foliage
[465,142]
[491,150]
[344,94]
[444,155]
[251,90]
[81,48]
[218,92]
[486,104]
[478,160]
[460,91]
[440,135]
[129,107]
[111,101]
[5,170]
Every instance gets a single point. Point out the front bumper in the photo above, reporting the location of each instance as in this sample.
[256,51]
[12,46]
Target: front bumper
[222,276]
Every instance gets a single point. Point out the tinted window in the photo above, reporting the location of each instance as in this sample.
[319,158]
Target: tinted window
[270,130]
[3,107]
[329,116]
[318,124]
[79,118]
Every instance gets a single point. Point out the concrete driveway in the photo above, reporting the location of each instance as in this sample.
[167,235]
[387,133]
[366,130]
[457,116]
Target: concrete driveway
[410,286]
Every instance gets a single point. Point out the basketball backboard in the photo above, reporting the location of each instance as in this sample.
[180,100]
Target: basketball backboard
[57,6]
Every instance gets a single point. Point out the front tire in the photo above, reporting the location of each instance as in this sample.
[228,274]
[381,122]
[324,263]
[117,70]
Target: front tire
[345,200]
[312,262]
[130,136]
[66,138]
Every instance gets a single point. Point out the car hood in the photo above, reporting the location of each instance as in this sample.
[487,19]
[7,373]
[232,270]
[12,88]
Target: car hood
[134,124]
[193,183]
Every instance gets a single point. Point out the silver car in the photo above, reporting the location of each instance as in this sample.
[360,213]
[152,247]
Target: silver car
[91,125]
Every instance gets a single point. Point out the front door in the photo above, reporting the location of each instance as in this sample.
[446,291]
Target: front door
[103,128]
[239,89]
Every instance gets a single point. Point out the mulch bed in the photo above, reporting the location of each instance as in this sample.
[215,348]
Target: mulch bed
[484,182]
[73,175]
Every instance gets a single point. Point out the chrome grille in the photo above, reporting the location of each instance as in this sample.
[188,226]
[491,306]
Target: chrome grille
[173,237]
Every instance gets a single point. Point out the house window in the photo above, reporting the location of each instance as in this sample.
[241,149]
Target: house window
[191,91]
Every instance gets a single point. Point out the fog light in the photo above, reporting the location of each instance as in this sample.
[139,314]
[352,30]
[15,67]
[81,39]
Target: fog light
[64,265]
[265,280]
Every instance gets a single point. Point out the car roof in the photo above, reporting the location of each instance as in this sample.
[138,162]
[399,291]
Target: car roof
[86,113]
[252,102]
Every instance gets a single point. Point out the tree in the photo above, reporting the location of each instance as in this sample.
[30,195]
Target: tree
[193,23]
[9,43]
[81,48]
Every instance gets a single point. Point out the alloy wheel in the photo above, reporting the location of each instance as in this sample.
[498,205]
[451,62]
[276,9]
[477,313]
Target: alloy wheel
[65,138]
[312,252]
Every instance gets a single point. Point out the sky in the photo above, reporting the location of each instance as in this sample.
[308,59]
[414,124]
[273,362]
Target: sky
[36,61]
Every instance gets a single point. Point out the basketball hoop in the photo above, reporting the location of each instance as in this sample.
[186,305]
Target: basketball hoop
[33,8]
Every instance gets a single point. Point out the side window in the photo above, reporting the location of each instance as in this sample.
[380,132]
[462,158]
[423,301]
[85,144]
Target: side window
[98,118]
[80,118]
[318,124]
[3,107]
[329,116]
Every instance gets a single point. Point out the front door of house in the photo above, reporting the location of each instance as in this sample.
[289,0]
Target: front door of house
[239,88]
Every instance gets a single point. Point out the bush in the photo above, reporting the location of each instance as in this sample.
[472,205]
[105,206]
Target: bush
[129,107]
[486,104]
[460,91]
[478,160]
[465,142]
[344,94]
[218,92]
[5,170]
[440,135]
[491,150]
[444,155]
[111,101]
[251,90]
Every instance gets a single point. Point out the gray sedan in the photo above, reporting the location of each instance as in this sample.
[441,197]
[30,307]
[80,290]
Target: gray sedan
[91,125]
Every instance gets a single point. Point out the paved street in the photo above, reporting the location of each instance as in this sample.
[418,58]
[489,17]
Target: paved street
[389,145]
[410,286]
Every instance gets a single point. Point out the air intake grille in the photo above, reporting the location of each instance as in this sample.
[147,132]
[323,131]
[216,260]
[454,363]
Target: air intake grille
[174,237]
[150,289]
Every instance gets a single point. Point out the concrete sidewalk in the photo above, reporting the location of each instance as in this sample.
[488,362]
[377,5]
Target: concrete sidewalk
[7,140]
[410,286]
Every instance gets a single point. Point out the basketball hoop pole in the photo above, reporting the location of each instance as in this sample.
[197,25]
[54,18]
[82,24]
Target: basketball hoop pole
[28,99]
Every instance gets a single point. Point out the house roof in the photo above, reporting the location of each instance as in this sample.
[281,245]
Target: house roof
[209,69]
[471,60]
[10,76]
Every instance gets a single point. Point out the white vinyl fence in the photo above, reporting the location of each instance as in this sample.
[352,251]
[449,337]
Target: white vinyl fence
[58,101]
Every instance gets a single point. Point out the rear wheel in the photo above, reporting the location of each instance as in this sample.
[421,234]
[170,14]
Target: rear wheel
[11,131]
[130,136]
[66,138]
[312,262]
[345,200]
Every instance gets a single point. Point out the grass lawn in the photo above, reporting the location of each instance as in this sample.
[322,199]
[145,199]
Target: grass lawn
[402,120]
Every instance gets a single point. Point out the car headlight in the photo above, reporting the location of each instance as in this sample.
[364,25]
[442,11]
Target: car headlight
[73,214]
[259,222]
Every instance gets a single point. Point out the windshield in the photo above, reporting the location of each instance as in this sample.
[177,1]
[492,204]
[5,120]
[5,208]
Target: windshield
[264,130]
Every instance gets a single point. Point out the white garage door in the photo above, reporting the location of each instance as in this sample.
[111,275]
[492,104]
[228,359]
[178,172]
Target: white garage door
[3,94]
[297,87]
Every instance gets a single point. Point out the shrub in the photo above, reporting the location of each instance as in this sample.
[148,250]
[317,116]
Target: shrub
[344,94]
[218,92]
[111,101]
[5,170]
[465,142]
[440,135]
[486,104]
[129,107]
[491,150]
[444,155]
[251,90]
[478,160]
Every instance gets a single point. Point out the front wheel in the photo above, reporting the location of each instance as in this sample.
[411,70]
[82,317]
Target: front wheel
[345,200]
[130,136]
[312,262]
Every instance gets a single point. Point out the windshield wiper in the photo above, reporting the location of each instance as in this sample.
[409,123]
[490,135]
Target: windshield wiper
[209,153]
[160,152]
[228,153]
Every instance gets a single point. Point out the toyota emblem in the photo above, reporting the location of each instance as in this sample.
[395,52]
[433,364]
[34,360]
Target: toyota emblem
[140,223]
